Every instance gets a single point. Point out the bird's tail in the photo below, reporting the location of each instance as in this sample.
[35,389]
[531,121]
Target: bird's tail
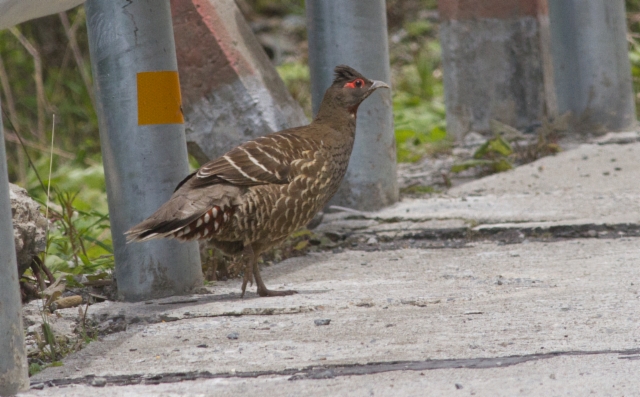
[190,214]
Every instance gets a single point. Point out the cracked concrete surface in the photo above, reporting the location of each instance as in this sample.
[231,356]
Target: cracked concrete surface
[591,189]
[535,318]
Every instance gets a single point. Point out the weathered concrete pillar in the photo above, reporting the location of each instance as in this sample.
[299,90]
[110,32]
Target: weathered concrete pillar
[493,63]
[354,33]
[231,90]
[14,374]
[591,65]
[142,138]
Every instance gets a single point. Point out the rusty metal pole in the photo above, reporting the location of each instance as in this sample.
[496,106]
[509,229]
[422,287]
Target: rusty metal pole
[143,141]
[14,373]
[354,33]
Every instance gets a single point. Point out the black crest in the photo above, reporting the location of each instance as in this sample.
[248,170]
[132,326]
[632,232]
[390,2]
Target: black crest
[345,74]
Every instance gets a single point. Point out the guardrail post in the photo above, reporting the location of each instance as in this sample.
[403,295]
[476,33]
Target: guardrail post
[354,33]
[493,63]
[143,142]
[14,373]
[591,65]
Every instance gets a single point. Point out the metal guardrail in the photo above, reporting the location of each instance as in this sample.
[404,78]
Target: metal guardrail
[354,33]
[14,373]
[591,67]
[143,141]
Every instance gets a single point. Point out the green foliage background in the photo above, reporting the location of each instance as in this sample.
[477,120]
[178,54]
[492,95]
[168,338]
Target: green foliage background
[78,178]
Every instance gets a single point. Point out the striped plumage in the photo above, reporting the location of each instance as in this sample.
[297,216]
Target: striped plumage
[258,193]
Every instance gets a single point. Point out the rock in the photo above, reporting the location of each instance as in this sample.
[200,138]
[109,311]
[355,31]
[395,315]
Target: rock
[231,91]
[63,323]
[618,138]
[322,321]
[99,382]
[473,139]
[38,386]
[29,227]
[112,326]
[67,302]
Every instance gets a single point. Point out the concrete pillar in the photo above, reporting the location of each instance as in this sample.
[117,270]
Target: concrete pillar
[591,65]
[231,90]
[493,63]
[142,138]
[14,373]
[354,33]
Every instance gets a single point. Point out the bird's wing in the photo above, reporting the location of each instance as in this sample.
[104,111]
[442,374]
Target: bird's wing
[266,160]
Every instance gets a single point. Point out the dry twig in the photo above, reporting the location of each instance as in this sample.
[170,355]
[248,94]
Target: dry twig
[37,61]
[70,31]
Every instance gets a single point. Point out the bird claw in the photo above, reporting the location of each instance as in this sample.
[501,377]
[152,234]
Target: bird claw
[248,278]
[268,292]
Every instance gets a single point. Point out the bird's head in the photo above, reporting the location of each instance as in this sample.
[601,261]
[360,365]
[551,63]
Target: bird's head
[350,88]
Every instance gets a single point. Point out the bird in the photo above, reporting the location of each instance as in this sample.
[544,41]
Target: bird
[258,193]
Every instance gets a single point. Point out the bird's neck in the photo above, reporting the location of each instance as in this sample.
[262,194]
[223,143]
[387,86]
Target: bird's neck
[338,118]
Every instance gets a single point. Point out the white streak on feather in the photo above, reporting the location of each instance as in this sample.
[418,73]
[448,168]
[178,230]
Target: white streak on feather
[239,169]
[255,161]
[275,159]
[287,139]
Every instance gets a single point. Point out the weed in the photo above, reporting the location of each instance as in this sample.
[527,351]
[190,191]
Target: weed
[34,368]
[419,190]
[80,241]
[277,7]
[493,156]
[296,77]
[510,146]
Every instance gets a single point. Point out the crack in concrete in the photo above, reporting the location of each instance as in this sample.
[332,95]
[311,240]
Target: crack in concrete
[505,233]
[122,319]
[332,371]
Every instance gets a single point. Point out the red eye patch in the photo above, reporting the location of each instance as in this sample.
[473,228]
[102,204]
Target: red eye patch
[357,83]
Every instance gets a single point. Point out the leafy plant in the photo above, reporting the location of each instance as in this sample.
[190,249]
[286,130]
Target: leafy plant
[493,156]
[79,241]
[277,7]
[298,81]
[418,106]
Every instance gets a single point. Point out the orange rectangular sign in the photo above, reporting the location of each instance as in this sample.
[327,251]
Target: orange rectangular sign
[159,100]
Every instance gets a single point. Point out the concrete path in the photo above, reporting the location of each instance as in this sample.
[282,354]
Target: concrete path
[523,283]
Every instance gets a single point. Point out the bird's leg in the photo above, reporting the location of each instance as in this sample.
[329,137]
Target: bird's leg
[248,264]
[262,289]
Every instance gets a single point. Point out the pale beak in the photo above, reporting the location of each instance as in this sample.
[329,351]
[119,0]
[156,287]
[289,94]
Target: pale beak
[378,84]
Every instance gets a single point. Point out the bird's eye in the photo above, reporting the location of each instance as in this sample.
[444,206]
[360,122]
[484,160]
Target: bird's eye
[357,83]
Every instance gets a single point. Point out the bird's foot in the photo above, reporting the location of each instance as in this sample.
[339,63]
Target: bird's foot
[267,292]
[248,278]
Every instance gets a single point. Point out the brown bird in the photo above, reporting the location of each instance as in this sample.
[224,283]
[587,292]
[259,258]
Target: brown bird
[257,194]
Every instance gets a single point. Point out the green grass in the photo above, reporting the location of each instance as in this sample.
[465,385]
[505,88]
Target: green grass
[297,79]
[419,190]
